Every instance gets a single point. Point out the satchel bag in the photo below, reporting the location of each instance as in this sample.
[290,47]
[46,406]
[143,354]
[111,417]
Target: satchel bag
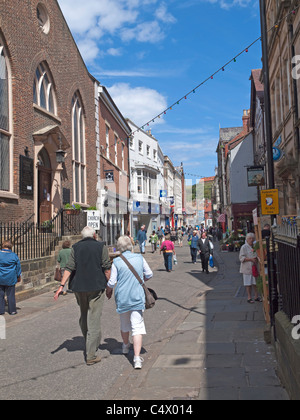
[150,295]
[255,272]
[57,275]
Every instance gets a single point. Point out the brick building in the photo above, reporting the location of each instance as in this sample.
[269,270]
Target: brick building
[114,177]
[47,103]
[283,27]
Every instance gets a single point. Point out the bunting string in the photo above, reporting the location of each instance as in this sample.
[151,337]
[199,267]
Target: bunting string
[211,77]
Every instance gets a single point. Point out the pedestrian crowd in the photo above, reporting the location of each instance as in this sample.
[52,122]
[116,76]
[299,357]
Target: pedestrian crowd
[88,271]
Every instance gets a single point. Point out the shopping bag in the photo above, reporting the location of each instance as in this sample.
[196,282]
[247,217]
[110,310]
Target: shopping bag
[211,261]
[57,274]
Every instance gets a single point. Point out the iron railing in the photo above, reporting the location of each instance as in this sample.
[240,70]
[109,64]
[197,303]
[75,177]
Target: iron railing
[31,241]
[284,271]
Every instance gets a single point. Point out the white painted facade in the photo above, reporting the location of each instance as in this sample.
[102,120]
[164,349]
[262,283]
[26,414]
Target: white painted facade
[146,171]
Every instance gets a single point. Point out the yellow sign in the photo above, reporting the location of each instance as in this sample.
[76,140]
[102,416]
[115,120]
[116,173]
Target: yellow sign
[269,202]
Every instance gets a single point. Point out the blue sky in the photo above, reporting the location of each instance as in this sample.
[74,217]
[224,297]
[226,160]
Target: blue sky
[150,53]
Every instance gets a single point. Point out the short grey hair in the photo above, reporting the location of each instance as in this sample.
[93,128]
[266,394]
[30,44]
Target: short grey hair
[250,235]
[88,232]
[124,244]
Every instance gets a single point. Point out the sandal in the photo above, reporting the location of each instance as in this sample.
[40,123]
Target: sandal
[259,299]
[250,301]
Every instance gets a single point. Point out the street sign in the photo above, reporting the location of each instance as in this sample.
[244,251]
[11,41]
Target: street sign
[163,193]
[269,202]
[93,219]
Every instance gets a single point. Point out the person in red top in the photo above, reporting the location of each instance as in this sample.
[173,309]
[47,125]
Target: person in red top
[167,247]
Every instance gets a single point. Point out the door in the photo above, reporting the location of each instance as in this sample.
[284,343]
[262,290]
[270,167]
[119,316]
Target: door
[45,212]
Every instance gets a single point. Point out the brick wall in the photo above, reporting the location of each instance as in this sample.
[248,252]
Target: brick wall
[27,46]
[109,164]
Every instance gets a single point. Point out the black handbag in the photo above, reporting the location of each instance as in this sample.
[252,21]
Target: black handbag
[150,295]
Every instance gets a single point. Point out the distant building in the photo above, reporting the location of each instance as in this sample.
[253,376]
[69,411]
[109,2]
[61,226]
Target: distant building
[283,47]
[145,171]
[113,171]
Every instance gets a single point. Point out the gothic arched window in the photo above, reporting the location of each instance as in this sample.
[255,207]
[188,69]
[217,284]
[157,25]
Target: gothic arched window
[79,162]
[5,129]
[43,89]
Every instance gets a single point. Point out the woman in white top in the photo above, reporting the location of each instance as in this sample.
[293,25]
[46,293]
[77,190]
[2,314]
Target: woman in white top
[248,257]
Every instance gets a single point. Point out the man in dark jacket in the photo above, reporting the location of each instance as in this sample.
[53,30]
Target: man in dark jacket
[90,266]
[205,251]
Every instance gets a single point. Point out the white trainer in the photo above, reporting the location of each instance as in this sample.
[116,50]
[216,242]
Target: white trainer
[125,348]
[138,362]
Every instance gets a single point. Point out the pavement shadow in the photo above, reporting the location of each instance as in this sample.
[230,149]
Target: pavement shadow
[72,345]
[115,347]
[181,306]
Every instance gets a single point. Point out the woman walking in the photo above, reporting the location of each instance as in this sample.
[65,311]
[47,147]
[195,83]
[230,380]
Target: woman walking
[180,237]
[63,258]
[168,249]
[248,258]
[129,296]
[10,275]
[154,240]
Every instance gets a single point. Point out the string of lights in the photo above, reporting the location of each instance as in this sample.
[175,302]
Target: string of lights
[211,77]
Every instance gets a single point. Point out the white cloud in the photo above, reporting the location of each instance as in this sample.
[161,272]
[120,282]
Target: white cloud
[115,52]
[144,32]
[95,20]
[89,49]
[140,104]
[163,15]
[224,4]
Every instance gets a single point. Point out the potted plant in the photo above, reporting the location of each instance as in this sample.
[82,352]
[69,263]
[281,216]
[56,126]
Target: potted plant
[72,208]
[47,226]
[257,250]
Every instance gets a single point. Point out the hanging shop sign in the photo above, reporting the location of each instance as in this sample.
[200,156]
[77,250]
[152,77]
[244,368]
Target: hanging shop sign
[256,176]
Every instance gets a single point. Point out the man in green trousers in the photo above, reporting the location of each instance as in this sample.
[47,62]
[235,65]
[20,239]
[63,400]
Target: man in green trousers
[90,266]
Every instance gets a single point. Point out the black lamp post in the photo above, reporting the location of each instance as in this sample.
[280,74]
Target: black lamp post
[60,154]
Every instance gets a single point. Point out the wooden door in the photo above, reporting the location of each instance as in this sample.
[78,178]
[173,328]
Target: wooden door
[44,195]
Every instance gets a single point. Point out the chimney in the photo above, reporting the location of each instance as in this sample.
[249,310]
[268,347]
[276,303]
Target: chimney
[246,120]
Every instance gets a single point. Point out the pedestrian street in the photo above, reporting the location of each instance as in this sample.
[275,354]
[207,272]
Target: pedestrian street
[203,342]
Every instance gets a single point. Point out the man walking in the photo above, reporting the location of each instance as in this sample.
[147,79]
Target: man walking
[205,251]
[90,267]
[142,238]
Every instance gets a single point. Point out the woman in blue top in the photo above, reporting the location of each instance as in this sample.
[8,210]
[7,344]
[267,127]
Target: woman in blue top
[129,296]
[10,275]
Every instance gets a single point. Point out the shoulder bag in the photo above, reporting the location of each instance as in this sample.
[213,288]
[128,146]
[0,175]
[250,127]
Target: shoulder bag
[57,274]
[150,295]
